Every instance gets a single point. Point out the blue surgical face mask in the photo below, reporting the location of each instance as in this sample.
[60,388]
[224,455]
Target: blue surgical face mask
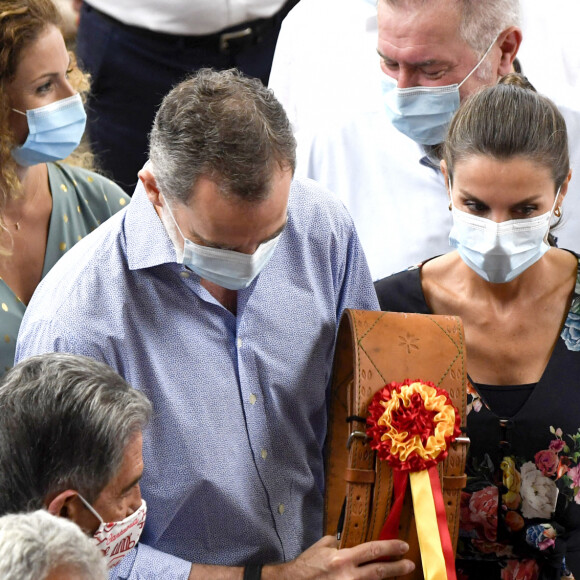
[54,132]
[423,113]
[226,268]
[499,252]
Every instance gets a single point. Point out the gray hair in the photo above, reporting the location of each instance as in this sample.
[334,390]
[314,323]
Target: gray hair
[224,126]
[35,544]
[481,20]
[65,421]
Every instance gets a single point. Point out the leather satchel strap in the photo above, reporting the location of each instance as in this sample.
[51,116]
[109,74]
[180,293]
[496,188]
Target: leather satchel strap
[373,349]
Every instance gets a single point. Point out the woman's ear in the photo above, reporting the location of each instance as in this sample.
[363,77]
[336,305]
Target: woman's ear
[443,167]
[564,190]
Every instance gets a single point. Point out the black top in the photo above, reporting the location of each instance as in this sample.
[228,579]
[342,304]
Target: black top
[520,511]
[504,400]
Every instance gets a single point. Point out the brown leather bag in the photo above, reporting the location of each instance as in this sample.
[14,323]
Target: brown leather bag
[374,349]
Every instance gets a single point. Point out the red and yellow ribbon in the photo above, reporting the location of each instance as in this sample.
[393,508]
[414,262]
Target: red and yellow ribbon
[411,426]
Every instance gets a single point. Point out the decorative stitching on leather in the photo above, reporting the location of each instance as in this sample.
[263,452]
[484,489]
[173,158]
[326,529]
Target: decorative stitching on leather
[457,326]
[459,348]
[361,347]
[373,325]
[349,512]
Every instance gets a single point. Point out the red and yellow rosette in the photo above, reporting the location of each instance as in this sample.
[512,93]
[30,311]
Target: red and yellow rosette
[411,426]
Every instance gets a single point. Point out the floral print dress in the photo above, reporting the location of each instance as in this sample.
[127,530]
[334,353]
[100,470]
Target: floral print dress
[520,511]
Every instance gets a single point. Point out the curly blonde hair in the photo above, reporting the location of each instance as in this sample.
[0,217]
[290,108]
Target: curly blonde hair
[22,22]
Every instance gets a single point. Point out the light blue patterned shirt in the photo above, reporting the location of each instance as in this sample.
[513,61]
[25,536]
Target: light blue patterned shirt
[233,455]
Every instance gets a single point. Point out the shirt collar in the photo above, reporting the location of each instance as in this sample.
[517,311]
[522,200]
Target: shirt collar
[148,243]
[431,158]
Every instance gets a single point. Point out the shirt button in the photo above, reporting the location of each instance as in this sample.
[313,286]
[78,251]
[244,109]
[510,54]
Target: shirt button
[264,454]
[253,399]
[239,342]
[184,274]
[281,509]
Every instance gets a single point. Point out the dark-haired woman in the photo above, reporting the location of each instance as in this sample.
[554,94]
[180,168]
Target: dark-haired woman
[507,168]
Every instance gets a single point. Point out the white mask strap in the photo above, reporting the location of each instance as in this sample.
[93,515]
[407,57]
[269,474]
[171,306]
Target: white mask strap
[17,111]
[480,61]
[449,186]
[90,508]
[173,218]
[555,201]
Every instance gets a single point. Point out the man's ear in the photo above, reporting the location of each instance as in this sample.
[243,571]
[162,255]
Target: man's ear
[509,42]
[68,505]
[62,504]
[150,184]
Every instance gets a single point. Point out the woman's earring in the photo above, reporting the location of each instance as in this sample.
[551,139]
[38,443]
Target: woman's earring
[558,212]
[449,206]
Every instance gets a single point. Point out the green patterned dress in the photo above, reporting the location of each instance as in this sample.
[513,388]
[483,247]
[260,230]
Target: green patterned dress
[81,201]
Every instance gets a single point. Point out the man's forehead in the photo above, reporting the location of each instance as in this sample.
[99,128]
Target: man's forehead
[219,220]
[417,35]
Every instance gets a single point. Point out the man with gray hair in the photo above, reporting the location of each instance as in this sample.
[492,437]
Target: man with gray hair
[40,546]
[380,155]
[70,442]
[218,293]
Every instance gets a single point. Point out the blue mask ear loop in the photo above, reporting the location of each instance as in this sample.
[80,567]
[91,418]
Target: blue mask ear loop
[90,508]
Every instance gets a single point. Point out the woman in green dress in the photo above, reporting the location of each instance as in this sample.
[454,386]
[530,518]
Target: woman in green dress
[45,206]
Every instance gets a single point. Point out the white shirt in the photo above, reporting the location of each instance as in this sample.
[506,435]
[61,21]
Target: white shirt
[550,51]
[325,55]
[329,86]
[399,206]
[191,17]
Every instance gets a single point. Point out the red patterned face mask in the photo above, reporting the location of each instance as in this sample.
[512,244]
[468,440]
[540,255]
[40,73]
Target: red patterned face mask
[115,539]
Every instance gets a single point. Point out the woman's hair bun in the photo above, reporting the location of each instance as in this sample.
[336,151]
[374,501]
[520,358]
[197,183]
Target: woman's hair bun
[517,80]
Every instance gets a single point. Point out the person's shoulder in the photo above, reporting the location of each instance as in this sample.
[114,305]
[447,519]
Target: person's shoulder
[103,195]
[563,259]
[83,273]
[306,193]
[402,292]
[312,202]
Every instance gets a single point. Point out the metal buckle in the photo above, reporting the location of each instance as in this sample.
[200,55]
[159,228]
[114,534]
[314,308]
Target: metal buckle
[356,435]
[226,37]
